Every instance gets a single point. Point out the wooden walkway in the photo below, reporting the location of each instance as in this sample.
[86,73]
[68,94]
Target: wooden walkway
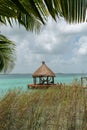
[42,86]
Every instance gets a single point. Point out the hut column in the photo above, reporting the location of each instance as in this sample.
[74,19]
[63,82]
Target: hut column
[34,79]
[47,79]
[53,80]
[81,81]
[39,80]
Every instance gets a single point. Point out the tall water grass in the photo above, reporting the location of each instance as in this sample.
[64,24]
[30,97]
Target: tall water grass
[62,108]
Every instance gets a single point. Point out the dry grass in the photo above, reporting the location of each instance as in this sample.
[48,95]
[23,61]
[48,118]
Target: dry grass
[51,109]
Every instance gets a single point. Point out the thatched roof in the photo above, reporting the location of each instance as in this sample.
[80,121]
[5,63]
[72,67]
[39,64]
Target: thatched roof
[43,70]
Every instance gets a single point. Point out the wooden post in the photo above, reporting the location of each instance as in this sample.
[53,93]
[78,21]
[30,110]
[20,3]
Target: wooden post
[34,79]
[53,80]
[47,79]
[39,80]
[81,81]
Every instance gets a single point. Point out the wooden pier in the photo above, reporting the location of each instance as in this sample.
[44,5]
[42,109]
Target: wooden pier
[43,86]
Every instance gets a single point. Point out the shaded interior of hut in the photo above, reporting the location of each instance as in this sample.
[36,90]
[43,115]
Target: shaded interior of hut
[43,80]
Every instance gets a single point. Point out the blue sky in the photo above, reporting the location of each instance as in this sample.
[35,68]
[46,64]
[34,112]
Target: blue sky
[62,46]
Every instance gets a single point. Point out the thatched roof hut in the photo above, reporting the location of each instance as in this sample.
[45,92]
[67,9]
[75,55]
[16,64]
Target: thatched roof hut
[44,74]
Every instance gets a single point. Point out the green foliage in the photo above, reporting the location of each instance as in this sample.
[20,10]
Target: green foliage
[28,13]
[33,13]
[51,109]
[7,54]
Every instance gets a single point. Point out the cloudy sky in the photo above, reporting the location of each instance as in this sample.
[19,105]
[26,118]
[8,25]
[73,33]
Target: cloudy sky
[62,46]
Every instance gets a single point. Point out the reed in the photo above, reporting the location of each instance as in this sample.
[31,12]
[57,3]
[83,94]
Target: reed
[50,109]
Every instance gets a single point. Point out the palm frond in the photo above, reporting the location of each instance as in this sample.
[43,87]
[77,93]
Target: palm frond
[25,12]
[7,54]
[74,11]
[37,11]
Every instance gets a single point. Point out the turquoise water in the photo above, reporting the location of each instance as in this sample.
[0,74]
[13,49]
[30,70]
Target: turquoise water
[17,81]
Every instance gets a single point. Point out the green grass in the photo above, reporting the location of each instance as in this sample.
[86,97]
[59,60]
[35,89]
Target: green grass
[50,109]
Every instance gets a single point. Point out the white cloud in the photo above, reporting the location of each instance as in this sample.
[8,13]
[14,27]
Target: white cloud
[82,46]
[62,46]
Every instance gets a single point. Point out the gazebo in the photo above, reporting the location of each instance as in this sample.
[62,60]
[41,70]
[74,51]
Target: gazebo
[42,77]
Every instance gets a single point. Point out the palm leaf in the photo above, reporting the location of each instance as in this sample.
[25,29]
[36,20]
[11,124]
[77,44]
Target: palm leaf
[25,12]
[7,54]
[37,11]
[73,10]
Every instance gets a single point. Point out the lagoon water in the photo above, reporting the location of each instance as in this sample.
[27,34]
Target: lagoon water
[16,81]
